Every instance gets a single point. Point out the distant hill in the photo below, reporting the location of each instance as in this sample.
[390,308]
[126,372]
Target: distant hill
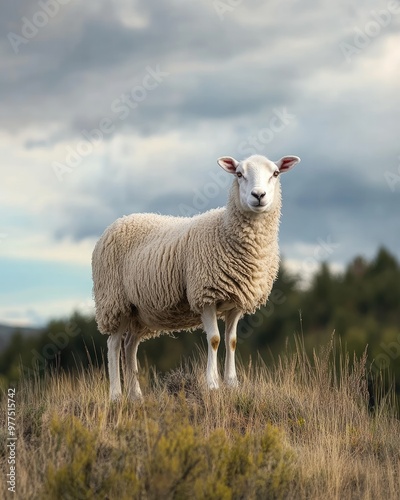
[6,332]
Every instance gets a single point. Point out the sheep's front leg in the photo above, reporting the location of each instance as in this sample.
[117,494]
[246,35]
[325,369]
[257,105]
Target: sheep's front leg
[231,320]
[132,381]
[114,350]
[209,319]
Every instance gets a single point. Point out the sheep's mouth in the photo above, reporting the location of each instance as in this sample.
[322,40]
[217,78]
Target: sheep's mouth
[260,204]
[260,207]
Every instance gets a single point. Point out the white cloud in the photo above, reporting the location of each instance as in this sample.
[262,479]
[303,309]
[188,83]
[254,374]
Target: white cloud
[40,312]
[41,247]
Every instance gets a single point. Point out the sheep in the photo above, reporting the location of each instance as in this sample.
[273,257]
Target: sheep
[155,274]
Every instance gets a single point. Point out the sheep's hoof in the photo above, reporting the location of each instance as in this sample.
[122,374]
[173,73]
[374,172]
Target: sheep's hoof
[115,398]
[232,382]
[135,397]
[213,385]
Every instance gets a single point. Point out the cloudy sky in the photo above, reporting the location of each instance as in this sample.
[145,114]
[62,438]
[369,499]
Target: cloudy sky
[109,108]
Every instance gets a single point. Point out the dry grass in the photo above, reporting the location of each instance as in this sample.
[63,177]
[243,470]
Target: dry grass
[300,429]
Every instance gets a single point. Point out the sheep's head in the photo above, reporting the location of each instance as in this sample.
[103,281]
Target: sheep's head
[257,178]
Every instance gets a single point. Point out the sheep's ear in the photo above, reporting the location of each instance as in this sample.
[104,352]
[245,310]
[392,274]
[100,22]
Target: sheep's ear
[287,162]
[228,163]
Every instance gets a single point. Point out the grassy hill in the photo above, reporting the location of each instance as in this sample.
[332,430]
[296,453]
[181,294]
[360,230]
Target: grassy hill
[303,428]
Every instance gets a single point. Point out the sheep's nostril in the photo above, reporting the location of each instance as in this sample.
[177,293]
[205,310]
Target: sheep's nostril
[258,194]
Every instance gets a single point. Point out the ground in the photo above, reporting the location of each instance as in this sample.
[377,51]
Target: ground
[299,429]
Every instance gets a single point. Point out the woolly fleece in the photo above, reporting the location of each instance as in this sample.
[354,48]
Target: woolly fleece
[160,271]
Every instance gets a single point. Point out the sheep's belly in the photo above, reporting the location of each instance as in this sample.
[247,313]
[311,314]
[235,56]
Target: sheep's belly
[178,317]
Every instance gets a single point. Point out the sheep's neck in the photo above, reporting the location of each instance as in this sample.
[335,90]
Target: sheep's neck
[248,233]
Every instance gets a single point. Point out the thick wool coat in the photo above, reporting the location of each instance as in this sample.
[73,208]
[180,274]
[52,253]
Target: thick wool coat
[160,271]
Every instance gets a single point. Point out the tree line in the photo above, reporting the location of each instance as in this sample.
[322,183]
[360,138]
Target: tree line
[360,305]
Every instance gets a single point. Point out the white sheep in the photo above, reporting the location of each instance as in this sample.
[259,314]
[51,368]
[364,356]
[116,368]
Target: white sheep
[155,274]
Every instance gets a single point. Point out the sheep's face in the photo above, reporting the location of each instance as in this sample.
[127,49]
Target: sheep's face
[258,179]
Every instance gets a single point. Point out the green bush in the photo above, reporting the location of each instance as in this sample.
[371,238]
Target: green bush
[178,463]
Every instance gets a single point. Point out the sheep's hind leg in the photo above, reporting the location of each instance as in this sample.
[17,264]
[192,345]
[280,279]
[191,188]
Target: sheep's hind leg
[231,320]
[132,382]
[209,319]
[114,350]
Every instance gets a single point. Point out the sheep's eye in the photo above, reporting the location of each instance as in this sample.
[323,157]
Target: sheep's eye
[276,173]
[239,174]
